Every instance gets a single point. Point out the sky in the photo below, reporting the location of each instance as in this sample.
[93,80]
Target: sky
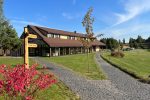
[113,18]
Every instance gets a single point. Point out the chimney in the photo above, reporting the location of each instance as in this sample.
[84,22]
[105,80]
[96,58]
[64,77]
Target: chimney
[75,32]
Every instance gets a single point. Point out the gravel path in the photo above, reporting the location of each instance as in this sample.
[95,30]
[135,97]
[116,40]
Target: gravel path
[86,89]
[133,89]
[120,86]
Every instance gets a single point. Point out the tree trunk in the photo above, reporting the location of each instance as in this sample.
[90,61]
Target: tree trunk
[88,59]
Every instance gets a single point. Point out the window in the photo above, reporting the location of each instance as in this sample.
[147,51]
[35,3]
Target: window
[69,37]
[72,38]
[50,35]
[56,36]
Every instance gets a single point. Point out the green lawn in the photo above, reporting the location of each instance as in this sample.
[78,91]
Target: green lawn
[56,92]
[78,63]
[136,62]
[13,61]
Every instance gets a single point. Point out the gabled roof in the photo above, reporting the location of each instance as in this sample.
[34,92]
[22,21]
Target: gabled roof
[57,42]
[96,42]
[55,31]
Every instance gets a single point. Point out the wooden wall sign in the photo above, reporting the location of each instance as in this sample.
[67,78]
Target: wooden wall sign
[32,36]
[32,45]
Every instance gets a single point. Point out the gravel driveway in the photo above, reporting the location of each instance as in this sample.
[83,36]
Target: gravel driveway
[120,86]
[133,89]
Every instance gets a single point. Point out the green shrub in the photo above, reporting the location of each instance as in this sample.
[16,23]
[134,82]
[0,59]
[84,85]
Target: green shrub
[117,54]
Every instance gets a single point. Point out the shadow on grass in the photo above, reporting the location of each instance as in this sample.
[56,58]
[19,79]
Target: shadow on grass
[45,68]
[134,75]
[148,50]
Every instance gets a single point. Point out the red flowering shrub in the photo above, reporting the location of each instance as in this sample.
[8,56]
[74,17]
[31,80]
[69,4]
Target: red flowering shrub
[23,83]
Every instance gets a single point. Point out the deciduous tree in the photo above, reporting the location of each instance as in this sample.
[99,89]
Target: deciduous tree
[88,24]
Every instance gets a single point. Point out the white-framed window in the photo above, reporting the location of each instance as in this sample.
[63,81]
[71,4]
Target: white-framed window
[50,35]
[72,38]
[68,37]
[56,36]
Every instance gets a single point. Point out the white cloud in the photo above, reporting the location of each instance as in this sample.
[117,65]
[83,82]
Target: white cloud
[74,2]
[132,9]
[24,22]
[70,16]
[20,24]
[127,31]
[66,15]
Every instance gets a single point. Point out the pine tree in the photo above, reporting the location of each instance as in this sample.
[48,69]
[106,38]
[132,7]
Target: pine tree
[124,41]
[8,35]
[1,10]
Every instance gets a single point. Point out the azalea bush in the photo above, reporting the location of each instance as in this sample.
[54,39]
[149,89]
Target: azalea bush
[21,83]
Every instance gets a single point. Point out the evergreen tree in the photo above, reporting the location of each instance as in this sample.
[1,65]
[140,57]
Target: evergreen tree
[1,11]
[119,41]
[124,41]
[147,40]
[8,36]
[139,39]
[111,43]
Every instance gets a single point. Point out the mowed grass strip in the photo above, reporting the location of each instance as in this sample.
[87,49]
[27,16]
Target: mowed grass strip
[57,91]
[136,62]
[79,64]
[13,61]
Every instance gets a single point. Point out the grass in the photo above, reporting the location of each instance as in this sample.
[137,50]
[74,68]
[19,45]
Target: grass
[57,91]
[136,62]
[12,61]
[78,63]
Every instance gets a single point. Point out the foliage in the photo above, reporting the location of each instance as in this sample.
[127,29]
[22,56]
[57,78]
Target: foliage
[88,24]
[139,42]
[1,17]
[117,54]
[88,21]
[58,91]
[147,40]
[135,62]
[111,43]
[123,41]
[1,11]
[9,39]
[8,36]
[22,83]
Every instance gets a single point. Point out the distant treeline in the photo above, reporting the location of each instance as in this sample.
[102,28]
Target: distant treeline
[139,42]
[112,43]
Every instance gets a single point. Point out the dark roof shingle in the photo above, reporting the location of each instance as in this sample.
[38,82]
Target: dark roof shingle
[57,42]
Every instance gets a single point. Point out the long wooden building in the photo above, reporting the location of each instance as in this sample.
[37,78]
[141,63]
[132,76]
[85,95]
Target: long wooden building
[53,42]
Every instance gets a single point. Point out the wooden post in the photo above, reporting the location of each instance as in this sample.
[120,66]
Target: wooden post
[62,51]
[26,53]
[58,51]
[27,45]
[55,51]
[69,51]
[65,51]
[50,51]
